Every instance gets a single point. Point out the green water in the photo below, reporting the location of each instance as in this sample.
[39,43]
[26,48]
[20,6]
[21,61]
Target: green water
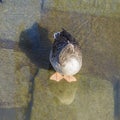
[26,37]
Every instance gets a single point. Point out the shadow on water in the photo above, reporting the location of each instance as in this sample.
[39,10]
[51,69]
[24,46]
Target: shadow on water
[35,44]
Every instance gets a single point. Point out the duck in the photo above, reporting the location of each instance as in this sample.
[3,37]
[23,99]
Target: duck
[65,57]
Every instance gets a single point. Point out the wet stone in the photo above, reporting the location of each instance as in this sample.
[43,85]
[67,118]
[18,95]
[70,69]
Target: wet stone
[107,8]
[15,67]
[88,98]
[7,85]
[14,79]
[24,74]
[15,16]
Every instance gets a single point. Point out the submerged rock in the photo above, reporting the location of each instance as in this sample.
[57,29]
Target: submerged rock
[107,8]
[89,98]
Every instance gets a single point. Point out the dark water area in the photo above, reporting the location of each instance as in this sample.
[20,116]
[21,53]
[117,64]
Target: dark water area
[11,114]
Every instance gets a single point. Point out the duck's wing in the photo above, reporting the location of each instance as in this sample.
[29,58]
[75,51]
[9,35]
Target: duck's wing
[65,53]
[69,51]
[61,41]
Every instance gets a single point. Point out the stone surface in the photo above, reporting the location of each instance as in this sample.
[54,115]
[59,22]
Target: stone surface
[16,16]
[14,79]
[88,98]
[15,73]
[11,113]
[26,36]
[107,8]
[7,86]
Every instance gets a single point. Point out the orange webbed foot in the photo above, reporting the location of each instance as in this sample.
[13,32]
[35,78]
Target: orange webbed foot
[56,76]
[70,78]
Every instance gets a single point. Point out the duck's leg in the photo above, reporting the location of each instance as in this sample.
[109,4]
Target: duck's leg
[70,78]
[56,76]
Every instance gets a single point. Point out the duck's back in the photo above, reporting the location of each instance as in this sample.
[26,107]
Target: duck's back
[64,41]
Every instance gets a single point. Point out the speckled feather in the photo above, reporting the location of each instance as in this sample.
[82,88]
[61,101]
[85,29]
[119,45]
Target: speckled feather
[65,55]
[62,47]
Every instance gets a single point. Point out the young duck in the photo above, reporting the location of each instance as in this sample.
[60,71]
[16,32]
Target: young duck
[65,57]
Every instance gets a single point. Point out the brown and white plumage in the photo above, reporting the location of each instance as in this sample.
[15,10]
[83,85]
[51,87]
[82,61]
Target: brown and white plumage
[65,55]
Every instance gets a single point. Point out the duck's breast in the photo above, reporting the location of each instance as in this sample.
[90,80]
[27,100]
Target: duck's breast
[72,66]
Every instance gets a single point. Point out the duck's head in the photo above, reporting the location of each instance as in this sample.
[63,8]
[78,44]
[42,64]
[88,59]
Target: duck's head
[62,34]
[56,35]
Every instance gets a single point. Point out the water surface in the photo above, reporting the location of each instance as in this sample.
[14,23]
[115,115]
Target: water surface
[26,37]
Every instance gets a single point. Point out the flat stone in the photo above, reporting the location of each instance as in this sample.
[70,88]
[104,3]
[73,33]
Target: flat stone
[15,67]
[24,78]
[88,98]
[11,113]
[16,16]
[7,84]
[101,7]
[14,79]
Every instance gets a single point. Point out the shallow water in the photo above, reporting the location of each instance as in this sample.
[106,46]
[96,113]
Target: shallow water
[26,37]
